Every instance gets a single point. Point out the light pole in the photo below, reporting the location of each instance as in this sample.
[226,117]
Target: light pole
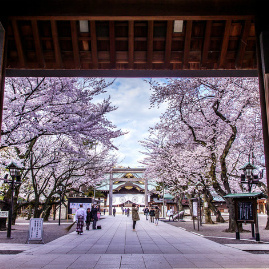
[14,171]
[199,187]
[251,175]
[60,191]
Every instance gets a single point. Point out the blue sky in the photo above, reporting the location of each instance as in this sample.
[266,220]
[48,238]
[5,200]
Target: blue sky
[134,115]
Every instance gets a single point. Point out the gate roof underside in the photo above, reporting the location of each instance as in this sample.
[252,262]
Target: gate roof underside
[115,37]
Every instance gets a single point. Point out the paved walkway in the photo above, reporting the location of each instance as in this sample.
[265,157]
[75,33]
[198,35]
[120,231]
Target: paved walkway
[116,245]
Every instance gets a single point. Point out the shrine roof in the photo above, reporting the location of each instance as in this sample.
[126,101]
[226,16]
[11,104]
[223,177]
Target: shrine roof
[245,195]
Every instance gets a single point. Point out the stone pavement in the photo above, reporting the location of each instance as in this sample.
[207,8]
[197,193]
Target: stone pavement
[116,245]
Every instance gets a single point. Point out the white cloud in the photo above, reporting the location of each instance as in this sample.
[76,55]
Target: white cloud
[131,96]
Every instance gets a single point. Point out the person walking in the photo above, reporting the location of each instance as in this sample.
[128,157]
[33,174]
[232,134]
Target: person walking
[170,213]
[88,219]
[114,211]
[146,212]
[80,217]
[135,215]
[152,214]
[94,216]
[128,212]
[157,215]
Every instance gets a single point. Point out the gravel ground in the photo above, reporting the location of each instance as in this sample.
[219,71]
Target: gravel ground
[52,230]
[216,232]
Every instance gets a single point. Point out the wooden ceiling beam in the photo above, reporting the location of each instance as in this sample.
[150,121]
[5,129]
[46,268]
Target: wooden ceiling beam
[112,44]
[56,44]
[129,10]
[21,56]
[150,44]
[94,45]
[131,44]
[38,45]
[168,44]
[74,37]
[225,43]
[135,18]
[243,44]
[187,44]
[206,43]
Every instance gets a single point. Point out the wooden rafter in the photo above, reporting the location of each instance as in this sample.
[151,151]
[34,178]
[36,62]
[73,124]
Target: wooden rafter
[38,45]
[131,44]
[168,45]
[56,44]
[150,44]
[187,45]
[225,44]
[112,46]
[243,44]
[74,36]
[206,43]
[94,45]
[17,38]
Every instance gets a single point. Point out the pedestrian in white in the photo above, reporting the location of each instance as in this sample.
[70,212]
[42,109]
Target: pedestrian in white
[80,217]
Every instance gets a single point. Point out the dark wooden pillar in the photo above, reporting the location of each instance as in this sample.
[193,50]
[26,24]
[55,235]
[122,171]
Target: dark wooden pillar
[110,192]
[146,192]
[3,23]
[262,38]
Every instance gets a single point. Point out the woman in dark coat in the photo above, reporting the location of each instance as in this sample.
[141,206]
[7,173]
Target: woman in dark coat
[135,215]
[88,218]
[152,214]
[157,215]
[94,216]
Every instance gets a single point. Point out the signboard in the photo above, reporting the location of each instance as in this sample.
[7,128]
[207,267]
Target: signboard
[75,202]
[75,206]
[4,214]
[36,229]
[195,208]
[245,211]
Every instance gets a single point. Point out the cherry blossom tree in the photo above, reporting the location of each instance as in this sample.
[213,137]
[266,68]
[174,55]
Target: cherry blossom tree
[37,107]
[218,120]
[50,125]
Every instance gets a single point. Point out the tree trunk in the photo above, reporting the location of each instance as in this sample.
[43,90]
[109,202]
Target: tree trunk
[179,202]
[208,219]
[190,203]
[54,212]
[30,211]
[37,210]
[232,221]
[267,211]
[207,211]
[46,213]
[217,213]
[219,217]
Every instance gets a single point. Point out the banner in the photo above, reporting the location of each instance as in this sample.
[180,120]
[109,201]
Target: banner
[118,199]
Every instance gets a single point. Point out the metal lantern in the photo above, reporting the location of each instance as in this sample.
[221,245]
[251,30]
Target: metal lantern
[250,176]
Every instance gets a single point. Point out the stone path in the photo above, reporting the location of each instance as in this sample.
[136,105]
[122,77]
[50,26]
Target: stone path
[116,245]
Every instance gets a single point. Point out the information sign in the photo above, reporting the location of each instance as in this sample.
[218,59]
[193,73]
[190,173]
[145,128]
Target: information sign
[36,229]
[4,214]
[245,211]
[75,202]
[75,206]
[195,209]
